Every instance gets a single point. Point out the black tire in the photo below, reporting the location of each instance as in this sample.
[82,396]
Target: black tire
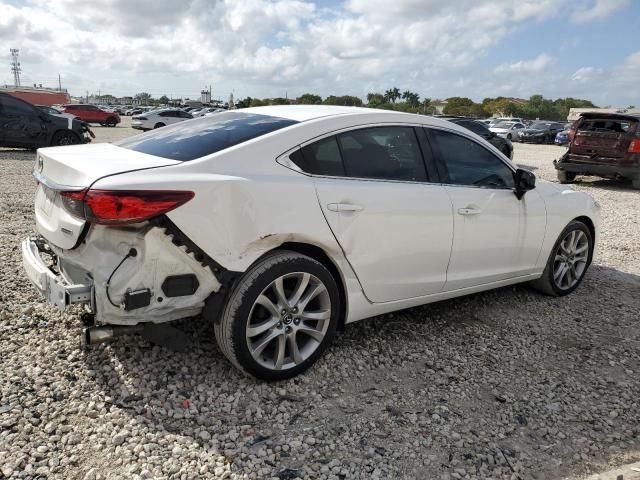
[111,122]
[566,177]
[546,283]
[231,329]
[158,125]
[635,183]
[509,136]
[65,137]
[506,151]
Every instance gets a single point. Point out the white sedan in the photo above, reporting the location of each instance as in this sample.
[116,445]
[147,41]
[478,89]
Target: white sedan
[281,224]
[508,130]
[159,118]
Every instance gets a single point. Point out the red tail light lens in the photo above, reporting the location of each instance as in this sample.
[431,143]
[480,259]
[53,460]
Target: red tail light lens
[634,146]
[123,207]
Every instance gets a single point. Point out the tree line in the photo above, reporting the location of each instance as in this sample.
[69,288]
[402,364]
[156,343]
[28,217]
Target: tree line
[407,101]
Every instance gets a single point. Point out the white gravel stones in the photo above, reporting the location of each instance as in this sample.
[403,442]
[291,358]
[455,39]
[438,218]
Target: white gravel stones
[505,384]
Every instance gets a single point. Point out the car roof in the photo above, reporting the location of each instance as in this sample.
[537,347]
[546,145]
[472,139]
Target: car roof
[302,113]
[626,116]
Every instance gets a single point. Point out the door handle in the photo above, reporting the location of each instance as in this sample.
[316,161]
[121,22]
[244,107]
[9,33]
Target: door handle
[344,207]
[469,211]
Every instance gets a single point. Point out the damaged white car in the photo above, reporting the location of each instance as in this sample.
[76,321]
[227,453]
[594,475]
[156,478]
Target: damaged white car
[281,224]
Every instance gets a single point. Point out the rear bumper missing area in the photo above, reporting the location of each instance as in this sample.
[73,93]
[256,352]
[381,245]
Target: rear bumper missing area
[53,287]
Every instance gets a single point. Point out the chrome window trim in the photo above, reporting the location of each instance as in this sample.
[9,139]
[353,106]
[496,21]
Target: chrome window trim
[59,187]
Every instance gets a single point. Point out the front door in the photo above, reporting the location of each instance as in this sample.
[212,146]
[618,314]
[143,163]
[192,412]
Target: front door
[497,236]
[394,227]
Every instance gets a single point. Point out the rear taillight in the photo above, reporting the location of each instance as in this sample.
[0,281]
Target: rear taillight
[122,207]
[634,146]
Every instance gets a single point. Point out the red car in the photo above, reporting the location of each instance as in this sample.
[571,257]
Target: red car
[602,144]
[92,114]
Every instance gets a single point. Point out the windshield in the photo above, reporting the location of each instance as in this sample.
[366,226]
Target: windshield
[203,136]
[506,125]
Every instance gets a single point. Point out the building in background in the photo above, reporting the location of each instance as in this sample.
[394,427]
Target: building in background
[38,95]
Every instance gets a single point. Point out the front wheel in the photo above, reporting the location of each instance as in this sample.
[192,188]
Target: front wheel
[280,316]
[566,177]
[509,136]
[65,138]
[158,125]
[569,260]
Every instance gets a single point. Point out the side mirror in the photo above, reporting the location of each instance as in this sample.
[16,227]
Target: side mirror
[525,181]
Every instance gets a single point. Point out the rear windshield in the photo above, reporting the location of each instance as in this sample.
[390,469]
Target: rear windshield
[605,125]
[203,136]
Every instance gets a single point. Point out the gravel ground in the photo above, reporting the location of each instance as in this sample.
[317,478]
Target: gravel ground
[506,384]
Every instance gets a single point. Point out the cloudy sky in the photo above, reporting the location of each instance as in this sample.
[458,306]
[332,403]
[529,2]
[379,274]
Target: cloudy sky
[262,48]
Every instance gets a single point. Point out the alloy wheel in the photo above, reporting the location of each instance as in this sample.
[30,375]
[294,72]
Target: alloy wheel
[571,259]
[288,321]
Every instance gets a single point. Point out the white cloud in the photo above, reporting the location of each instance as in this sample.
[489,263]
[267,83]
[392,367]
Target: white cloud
[586,74]
[267,47]
[537,65]
[596,10]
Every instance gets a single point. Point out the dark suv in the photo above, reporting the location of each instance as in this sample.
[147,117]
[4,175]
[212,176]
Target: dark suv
[603,144]
[23,125]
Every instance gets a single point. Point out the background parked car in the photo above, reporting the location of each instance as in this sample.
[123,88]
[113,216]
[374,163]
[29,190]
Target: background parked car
[159,118]
[93,114]
[540,132]
[23,125]
[606,145]
[562,138]
[508,129]
[481,129]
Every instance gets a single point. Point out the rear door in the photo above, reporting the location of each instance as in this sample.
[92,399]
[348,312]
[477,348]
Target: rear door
[21,124]
[394,226]
[602,140]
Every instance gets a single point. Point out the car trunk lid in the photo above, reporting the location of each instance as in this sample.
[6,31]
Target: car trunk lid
[75,168]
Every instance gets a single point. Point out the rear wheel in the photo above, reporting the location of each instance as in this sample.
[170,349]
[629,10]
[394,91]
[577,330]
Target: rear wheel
[111,122]
[569,260]
[635,183]
[509,136]
[65,138]
[280,317]
[566,177]
[158,125]
[506,151]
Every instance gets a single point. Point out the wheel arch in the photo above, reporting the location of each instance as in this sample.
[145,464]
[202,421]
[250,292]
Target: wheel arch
[590,225]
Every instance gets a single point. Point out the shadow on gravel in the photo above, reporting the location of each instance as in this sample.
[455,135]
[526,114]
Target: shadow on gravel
[498,383]
[621,185]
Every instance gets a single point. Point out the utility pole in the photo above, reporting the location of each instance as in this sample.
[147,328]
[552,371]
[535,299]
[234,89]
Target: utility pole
[15,66]
[59,83]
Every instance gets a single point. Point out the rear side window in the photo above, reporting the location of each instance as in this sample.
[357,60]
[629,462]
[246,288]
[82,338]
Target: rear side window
[320,158]
[10,106]
[389,153]
[197,138]
[467,163]
[385,153]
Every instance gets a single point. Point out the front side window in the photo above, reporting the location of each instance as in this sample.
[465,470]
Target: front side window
[389,153]
[186,141]
[464,162]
